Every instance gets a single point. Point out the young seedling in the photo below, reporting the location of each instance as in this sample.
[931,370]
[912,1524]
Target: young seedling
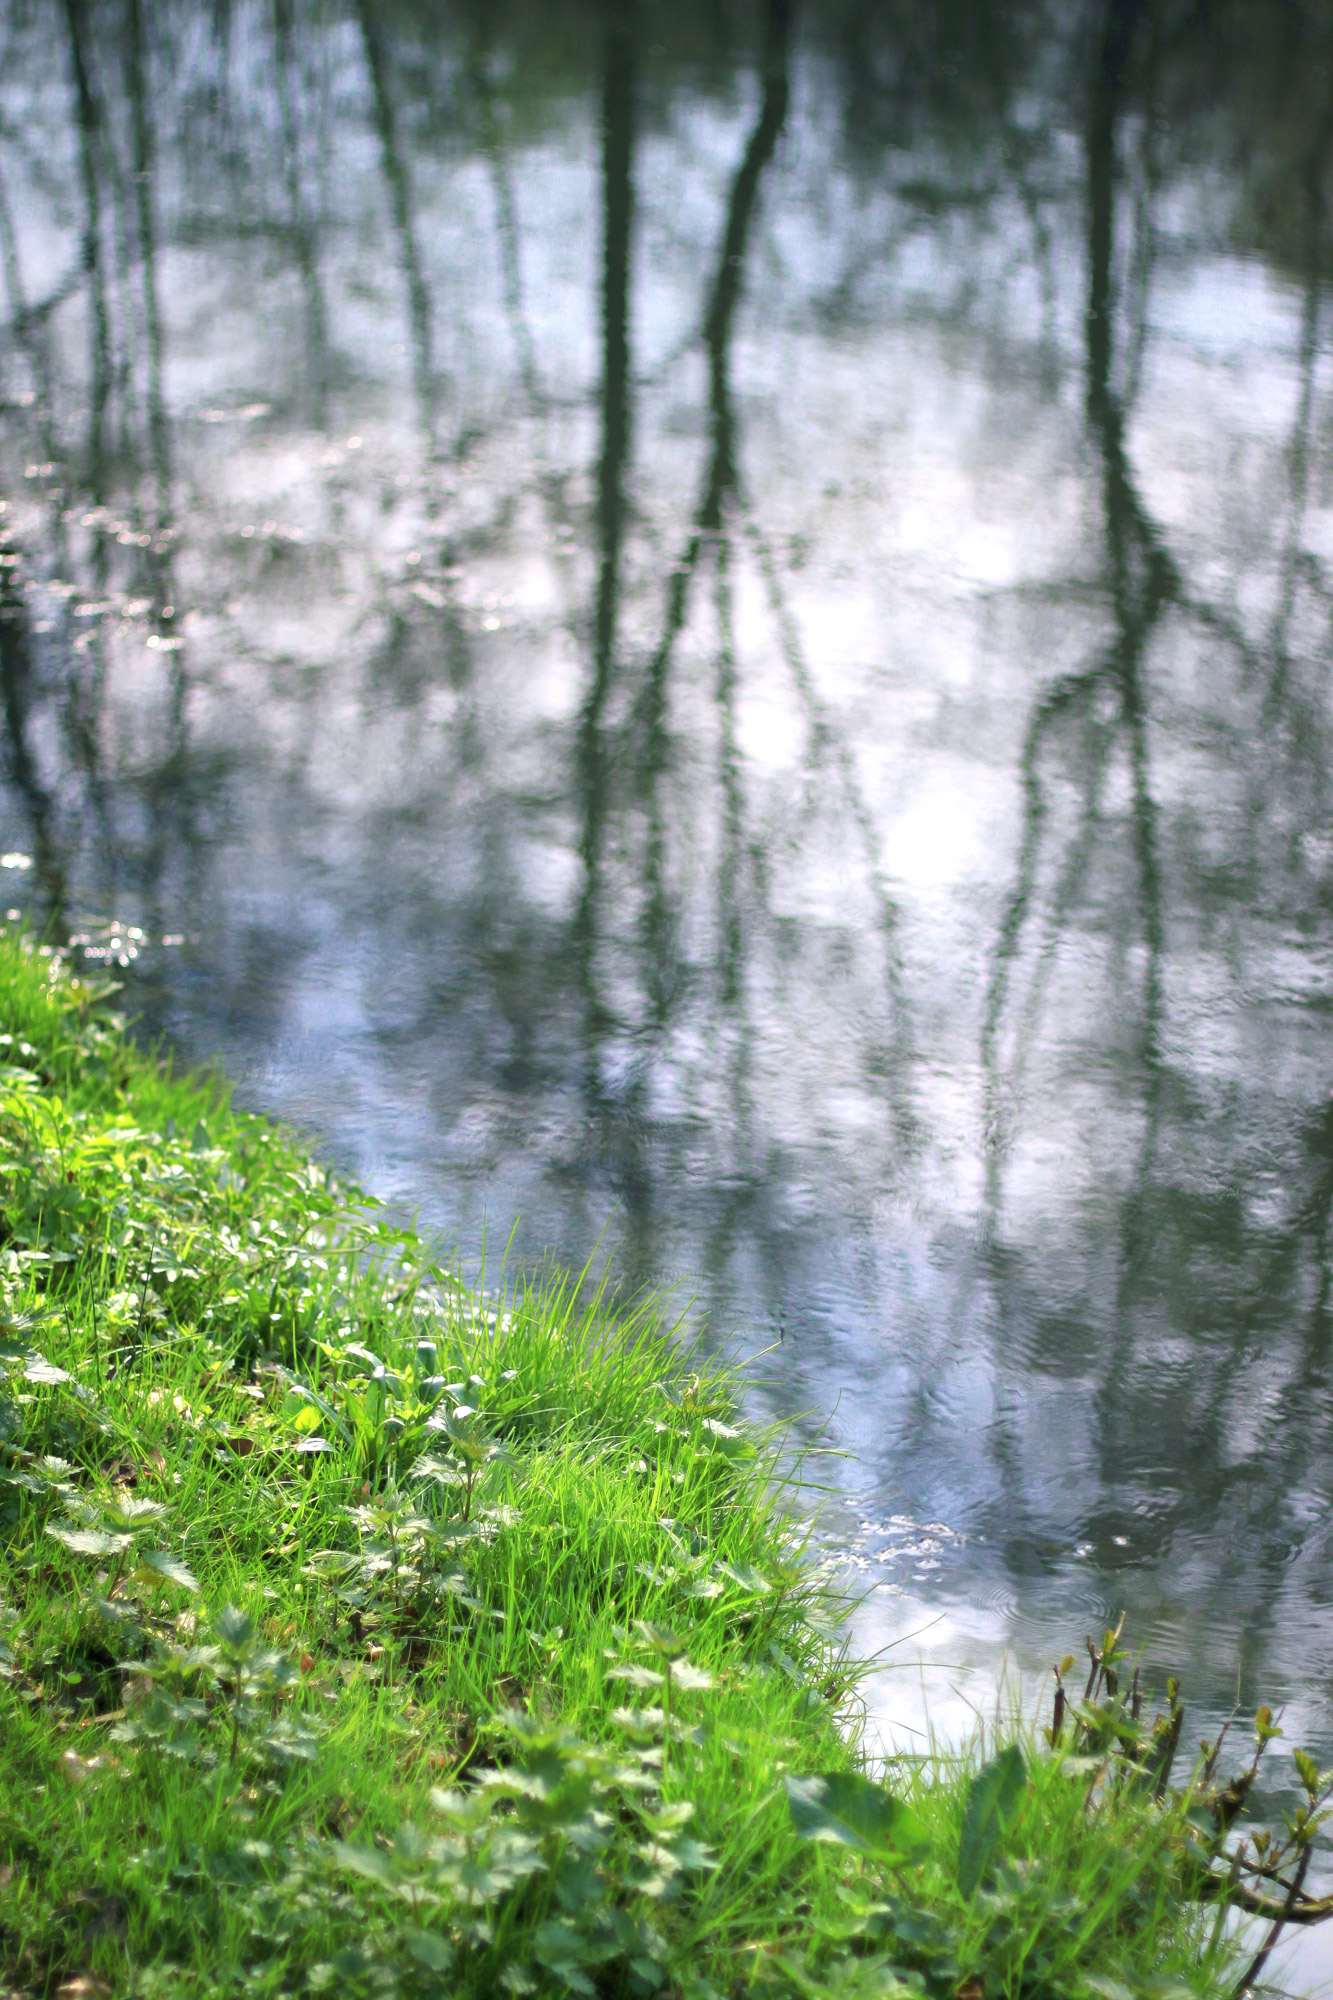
[247,1669]
[675,1671]
[113,1528]
[470,1445]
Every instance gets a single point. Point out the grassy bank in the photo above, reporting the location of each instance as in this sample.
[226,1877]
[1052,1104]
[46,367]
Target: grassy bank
[358,1636]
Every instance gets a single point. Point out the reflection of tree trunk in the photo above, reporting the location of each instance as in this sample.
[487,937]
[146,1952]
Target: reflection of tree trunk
[511,276]
[136,57]
[1142,577]
[731,265]
[618,134]
[733,798]
[721,477]
[825,739]
[1300,444]
[303,234]
[100,333]
[30,331]
[9,262]
[398,177]
[618,182]
[1141,582]
[15,698]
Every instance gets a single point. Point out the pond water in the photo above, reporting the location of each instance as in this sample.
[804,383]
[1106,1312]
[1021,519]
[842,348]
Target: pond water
[705,631]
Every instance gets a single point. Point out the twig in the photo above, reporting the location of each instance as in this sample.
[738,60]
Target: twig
[1279,1922]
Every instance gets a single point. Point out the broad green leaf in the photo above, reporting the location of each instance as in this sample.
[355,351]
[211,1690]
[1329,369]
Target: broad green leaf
[644,1722]
[233,1627]
[686,1676]
[746,1576]
[637,1676]
[170,1567]
[666,1644]
[476,1882]
[993,1799]
[693,1854]
[37,1369]
[89,1541]
[410,1844]
[371,1861]
[671,1818]
[845,1808]
[428,1948]
[125,1511]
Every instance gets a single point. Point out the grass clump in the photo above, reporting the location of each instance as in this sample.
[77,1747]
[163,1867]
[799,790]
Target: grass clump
[359,1635]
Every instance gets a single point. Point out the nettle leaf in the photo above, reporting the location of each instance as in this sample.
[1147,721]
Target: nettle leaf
[89,1541]
[169,1566]
[640,1722]
[686,1676]
[428,1948]
[233,1628]
[847,1809]
[659,1639]
[693,1854]
[637,1676]
[993,1801]
[126,1511]
[370,1861]
[36,1368]
[746,1577]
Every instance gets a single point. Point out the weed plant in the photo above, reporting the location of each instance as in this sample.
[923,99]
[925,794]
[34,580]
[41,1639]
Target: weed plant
[362,1635]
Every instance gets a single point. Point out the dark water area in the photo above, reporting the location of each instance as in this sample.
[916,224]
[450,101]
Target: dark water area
[710,627]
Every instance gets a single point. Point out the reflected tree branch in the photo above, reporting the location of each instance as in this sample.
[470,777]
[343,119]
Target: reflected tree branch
[398,179]
[88,125]
[304,241]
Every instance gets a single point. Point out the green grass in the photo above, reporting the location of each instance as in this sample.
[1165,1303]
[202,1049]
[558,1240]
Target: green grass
[362,1635]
